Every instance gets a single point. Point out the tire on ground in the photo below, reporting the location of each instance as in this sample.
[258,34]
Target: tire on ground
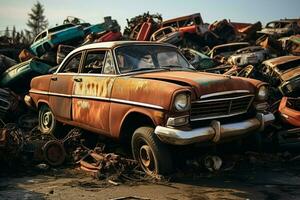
[144,142]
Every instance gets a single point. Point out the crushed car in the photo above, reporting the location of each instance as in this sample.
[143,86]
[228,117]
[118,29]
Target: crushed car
[283,73]
[282,28]
[251,55]
[5,63]
[111,88]
[226,50]
[289,110]
[192,24]
[48,39]
[291,45]
[142,26]
[18,77]
[202,62]
[167,35]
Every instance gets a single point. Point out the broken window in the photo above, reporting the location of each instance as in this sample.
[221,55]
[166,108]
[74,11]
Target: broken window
[72,65]
[94,62]
[109,67]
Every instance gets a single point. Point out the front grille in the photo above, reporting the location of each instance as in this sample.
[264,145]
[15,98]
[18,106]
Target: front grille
[220,107]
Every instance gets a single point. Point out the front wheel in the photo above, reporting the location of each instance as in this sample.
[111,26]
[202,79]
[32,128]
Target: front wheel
[153,155]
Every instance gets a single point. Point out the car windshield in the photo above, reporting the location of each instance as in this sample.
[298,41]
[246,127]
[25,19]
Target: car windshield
[149,57]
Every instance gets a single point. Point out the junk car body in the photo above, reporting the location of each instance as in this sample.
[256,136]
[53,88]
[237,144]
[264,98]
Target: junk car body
[226,50]
[202,62]
[18,77]
[282,28]
[289,110]
[147,94]
[52,37]
[251,55]
[283,72]
[166,35]
[191,24]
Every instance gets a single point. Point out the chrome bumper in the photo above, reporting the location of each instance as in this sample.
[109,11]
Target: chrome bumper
[215,132]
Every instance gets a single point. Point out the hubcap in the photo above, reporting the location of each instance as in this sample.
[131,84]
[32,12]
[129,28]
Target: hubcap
[47,120]
[147,159]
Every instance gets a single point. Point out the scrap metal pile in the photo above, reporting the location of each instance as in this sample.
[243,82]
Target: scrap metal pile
[270,54]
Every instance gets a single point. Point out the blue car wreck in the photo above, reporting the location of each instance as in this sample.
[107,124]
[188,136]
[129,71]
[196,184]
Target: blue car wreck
[52,37]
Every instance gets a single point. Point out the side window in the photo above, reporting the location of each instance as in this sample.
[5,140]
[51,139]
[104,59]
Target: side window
[94,62]
[109,67]
[72,65]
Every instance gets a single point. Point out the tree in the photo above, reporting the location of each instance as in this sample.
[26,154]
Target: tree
[7,32]
[14,33]
[37,21]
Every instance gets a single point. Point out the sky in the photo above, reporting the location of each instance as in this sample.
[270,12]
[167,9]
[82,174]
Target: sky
[15,12]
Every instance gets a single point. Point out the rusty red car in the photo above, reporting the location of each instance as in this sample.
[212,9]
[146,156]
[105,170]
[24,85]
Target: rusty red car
[289,110]
[148,95]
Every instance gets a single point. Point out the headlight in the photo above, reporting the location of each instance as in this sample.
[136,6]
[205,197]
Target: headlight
[262,93]
[182,102]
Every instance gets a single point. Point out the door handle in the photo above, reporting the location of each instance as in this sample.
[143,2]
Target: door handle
[78,79]
[54,78]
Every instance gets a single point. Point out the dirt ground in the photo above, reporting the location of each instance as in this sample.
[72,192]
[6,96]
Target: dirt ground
[257,176]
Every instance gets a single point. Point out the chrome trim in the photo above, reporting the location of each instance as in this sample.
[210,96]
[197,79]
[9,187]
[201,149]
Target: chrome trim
[99,98]
[218,117]
[38,92]
[91,97]
[223,99]
[66,74]
[136,103]
[170,121]
[223,93]
[215,132]
[229,109]
[97,75]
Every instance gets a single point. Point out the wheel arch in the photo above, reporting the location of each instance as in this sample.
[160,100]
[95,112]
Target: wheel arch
[132,121]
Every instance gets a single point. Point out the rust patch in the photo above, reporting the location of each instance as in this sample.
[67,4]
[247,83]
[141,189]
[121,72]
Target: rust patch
[94,86]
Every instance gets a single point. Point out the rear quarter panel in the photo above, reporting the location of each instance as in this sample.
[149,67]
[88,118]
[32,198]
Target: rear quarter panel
[40,84]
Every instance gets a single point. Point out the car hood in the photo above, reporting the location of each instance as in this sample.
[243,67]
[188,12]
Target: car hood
[290,74]
[202,82]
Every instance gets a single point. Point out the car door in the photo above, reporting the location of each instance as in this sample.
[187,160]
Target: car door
[92,91]
[61,87]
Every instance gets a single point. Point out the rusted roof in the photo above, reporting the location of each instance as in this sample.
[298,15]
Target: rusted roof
[108,45]
[280,60]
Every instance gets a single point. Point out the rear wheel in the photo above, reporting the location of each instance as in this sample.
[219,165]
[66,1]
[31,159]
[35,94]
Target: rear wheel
[153,156]
[47,121]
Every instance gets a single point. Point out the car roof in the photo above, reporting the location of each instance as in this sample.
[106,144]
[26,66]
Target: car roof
[280,60]
[109,45]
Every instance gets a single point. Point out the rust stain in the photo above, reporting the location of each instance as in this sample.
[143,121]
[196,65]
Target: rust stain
[94,86]
[83,104]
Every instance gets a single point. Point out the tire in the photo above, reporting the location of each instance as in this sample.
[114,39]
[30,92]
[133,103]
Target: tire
[47,121]
[153,155]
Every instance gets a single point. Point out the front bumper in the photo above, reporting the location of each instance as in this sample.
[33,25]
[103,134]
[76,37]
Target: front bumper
[215,132]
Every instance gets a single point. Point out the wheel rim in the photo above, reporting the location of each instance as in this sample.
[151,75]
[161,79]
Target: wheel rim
[47,120]
[146,158]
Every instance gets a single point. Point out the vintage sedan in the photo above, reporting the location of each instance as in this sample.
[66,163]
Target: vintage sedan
[147,94]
